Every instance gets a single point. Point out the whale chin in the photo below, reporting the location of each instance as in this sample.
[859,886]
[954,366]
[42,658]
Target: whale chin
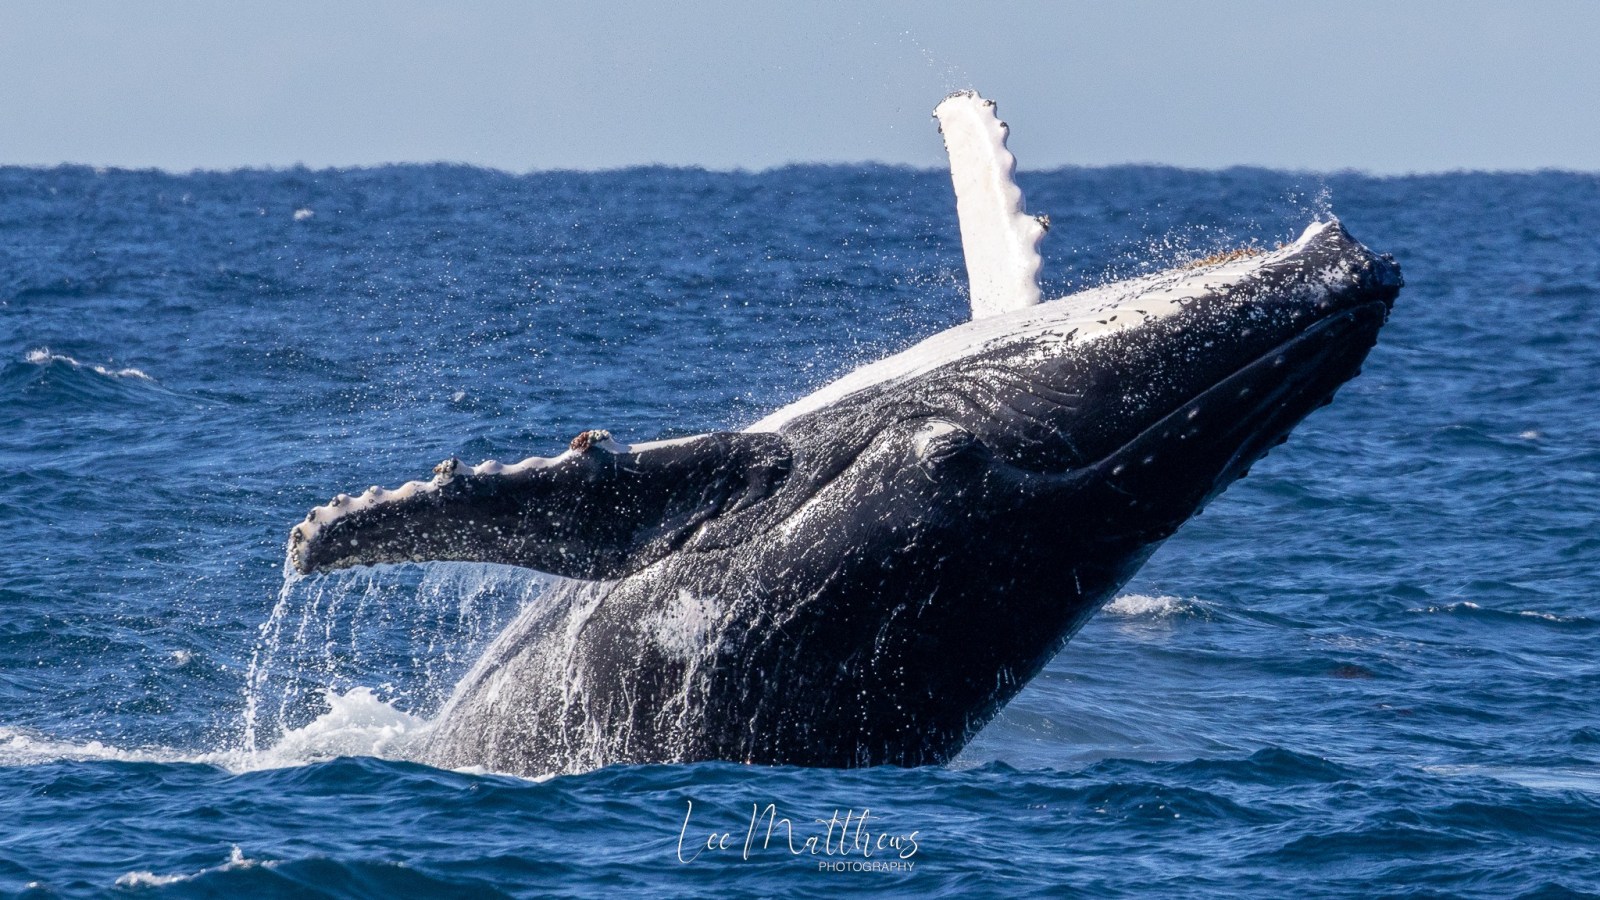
[1177,465]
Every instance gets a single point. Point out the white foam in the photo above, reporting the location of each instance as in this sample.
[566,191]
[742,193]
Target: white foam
[19,748]
[357,723]
[1148,606]
[236,860]
[1469,606]
[43,357]
[999,241]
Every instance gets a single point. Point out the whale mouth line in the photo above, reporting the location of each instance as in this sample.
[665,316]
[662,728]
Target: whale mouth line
[1192,407]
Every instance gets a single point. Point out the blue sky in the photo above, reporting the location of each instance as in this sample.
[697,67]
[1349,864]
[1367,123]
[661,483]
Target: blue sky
[1385,87]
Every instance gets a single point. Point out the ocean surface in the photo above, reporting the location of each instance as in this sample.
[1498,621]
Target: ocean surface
[1372,668]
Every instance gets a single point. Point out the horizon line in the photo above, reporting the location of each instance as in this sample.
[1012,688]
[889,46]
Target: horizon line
[1346,172]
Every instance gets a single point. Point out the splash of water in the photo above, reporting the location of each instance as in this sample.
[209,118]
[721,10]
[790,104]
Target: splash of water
[350,664]
[266,644]
[356,723]
[355,662]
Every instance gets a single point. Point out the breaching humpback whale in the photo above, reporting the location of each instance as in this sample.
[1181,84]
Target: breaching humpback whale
[868,575]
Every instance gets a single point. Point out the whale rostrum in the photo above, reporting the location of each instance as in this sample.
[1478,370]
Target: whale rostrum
[869,574]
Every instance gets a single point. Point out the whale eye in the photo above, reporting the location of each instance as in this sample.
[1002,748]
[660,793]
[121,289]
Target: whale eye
[929,434]
[937,442]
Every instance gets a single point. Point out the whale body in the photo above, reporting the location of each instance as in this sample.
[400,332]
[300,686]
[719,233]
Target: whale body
[868,575]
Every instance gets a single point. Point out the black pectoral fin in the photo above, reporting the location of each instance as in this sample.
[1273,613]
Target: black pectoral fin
[600,510]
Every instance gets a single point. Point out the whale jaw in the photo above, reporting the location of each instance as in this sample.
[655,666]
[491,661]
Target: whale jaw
[1172,469]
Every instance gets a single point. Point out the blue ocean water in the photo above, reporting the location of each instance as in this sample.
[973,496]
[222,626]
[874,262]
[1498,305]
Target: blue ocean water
[1371,668]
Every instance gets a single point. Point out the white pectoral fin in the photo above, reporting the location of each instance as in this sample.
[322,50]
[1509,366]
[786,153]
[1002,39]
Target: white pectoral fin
[999,240]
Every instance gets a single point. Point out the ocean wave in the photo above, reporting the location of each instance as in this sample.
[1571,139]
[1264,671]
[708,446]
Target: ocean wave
[357,723]
[1155,606]
[20,748]
[1552,778]
[1271,766]
[43,356]
[315,875]
[236,860]
[1468,609]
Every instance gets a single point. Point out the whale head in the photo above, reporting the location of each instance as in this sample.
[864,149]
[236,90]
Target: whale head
[968,504]
[1160,391]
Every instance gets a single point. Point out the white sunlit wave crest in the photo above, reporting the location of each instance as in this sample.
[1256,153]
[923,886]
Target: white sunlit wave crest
[43,356]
